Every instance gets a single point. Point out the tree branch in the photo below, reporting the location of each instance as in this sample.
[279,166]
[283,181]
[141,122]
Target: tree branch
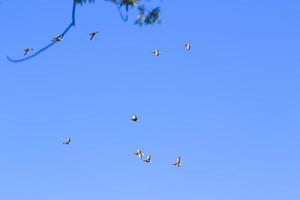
[124,18]
[151,17]
[52,43]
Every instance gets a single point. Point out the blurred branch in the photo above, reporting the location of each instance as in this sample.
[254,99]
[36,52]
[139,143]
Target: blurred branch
[53,42]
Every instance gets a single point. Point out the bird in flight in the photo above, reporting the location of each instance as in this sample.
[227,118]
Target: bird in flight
[139,153]
[178,162]
[149,159]
[68,141]
[58,38]
[26,51]
[93,34]
[134,118]
[188,46]
[156,52]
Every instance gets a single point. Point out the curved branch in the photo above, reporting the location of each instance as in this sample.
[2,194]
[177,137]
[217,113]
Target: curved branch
[52,43]
[125,19]
[119,5]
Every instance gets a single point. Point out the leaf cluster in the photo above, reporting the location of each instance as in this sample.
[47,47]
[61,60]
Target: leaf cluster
[144,16]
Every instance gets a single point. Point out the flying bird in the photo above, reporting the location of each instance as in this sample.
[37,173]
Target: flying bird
[156,52]
[139,153]
[26,51]
[93,34]
[188,46]
[134,118]
[58,38]
[178,162]
[68,141]
[148,160]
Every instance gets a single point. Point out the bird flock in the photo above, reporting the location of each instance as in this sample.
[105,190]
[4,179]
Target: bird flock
[139,153]
[92,35]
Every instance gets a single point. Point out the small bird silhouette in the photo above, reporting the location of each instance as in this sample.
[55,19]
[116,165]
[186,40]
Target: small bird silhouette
[68,141]
[156,52]
[139,153]
[26,51]
[134,118]
[188,46]
[178,162]
[149,159]
[58,38]
[93,34]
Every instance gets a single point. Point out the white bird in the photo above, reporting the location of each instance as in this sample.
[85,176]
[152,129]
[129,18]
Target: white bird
[26,51]
[68,141]
[139,153]
[93,34]
[178,162]
[58,38]
[148,160]
[156,52]
[188,46]
[134,118]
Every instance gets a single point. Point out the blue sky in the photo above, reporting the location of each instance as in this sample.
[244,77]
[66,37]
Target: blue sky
[230,107]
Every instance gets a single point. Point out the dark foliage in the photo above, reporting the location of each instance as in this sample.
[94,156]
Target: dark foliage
[84,1]
[144,17]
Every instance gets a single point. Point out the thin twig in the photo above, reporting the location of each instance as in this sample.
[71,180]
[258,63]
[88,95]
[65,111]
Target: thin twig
[52,43]
[125,19]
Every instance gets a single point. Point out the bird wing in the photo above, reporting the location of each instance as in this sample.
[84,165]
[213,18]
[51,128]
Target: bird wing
[134,118]
[68,141]
[59,38]
[141,154]
[92,35]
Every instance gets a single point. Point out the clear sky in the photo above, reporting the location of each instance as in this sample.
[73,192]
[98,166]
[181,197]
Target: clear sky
[230,108]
